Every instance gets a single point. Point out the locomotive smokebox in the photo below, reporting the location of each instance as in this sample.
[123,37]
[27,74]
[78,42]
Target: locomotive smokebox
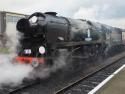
[23,25]
[33,25]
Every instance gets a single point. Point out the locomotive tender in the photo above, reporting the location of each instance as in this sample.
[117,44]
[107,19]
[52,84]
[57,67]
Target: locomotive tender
[43,35]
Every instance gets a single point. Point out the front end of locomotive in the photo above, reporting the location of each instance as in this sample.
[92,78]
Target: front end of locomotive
[32,43]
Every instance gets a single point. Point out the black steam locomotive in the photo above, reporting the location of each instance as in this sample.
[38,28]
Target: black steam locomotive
[45,35]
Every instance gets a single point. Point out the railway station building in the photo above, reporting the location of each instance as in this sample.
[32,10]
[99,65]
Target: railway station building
[8,22]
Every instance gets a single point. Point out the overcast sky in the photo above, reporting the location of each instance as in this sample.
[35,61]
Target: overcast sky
[111,12]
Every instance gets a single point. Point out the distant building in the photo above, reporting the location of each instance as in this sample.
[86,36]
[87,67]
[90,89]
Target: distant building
[8,22]
[123,36]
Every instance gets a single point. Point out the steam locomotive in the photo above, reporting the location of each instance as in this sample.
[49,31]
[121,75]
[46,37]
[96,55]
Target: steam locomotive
[45,35]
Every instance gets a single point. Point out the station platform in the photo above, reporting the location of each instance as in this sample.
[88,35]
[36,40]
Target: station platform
[114,84]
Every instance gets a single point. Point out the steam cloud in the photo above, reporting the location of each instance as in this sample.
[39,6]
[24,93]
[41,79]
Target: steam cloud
[12,74]
[58,63]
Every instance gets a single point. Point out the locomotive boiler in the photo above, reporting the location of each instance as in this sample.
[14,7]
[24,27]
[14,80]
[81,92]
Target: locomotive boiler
[43,35]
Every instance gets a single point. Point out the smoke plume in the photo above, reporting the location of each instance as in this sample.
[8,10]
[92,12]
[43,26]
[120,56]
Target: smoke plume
[12,74]
[59,62]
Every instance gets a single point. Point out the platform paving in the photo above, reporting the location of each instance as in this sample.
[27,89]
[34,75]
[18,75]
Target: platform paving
[114,86]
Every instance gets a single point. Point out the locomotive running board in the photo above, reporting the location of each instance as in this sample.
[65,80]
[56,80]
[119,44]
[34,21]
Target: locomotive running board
[69,44]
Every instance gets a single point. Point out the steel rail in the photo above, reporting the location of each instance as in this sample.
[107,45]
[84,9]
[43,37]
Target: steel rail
[61,91]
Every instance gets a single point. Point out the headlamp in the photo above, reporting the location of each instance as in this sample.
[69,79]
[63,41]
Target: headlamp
[33,19]
[42,49]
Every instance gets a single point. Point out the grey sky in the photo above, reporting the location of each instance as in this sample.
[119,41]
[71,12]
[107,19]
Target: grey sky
[111,12]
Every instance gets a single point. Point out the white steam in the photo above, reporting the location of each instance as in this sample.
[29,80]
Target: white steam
[58,63]
[12,74]
[90,13]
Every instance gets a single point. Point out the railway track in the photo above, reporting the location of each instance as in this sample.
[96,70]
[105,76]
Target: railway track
[85,84]
[10,90]
[80,86]
[22,87]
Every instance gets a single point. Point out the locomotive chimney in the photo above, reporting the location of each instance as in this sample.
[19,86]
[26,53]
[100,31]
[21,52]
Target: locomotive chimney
[23,25]
[51,13]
